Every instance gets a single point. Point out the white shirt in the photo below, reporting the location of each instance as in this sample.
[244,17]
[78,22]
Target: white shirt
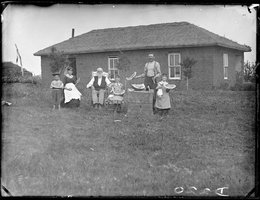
[57,84]
[99,81]
[69,76]
[163,83]
[151,68]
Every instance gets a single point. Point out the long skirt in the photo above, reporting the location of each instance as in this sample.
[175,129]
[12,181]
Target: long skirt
[163,102]
[71,97]
[74,103]
[115,99]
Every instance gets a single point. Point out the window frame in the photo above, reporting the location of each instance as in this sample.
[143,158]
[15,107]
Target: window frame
[114,68]
[225,66]
[174,66]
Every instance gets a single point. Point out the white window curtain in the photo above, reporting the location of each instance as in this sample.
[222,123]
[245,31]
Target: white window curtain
[112,67]
[174,60]
[225,65]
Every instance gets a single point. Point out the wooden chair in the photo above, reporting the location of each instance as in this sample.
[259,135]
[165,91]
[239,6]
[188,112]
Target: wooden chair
[94,73]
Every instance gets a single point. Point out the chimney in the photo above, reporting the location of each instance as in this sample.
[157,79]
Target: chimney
[72,35]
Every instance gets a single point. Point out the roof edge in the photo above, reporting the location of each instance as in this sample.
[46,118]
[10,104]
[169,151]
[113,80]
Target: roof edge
[245,49]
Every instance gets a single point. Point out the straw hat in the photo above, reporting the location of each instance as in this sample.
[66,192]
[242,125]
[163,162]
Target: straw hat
[55,73]
[99,70]
[151,55]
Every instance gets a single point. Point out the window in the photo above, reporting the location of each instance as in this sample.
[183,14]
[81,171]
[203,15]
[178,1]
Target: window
[174,60]
[112,67]
[225,65]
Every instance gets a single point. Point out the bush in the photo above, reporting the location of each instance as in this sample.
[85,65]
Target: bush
[58,60]
[8,79]
[247,86]
[249,72]
[224,86]
[22,79]
[37,80]
[236,87]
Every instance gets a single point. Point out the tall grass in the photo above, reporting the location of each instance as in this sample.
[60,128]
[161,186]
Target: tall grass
[22,79]
[207,141]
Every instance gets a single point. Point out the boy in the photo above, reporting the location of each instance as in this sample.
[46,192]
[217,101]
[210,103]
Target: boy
[56,86]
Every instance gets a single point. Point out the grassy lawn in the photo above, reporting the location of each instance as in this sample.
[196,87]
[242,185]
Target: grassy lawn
[206,142]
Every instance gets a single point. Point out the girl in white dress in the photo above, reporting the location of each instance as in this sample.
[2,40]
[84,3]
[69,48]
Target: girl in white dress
[162,102]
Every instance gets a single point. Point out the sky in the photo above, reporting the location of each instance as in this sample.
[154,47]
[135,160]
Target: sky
[34,28]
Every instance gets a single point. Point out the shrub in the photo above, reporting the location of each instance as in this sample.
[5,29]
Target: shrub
[22,79]
[9,79]
[249,71]
[224,86]
[187,64]
[247,86]
[236,87]
[58,60]
[37,80]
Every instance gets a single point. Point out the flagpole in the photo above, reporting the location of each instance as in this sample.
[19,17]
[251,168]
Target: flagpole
[19,56]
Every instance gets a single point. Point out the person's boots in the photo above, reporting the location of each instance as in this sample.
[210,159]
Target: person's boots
[118,108]
[95,105]
[166,113]
[114,107]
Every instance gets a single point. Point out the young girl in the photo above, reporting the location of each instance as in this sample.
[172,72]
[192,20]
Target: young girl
[162,102]
[117,93]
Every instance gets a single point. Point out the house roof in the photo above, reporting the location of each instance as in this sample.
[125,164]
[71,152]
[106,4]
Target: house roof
[166,35]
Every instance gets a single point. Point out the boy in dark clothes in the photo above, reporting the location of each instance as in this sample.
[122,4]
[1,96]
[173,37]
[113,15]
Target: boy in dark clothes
[56,86]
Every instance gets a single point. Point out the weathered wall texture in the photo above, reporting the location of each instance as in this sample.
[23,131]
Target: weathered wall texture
[207,72]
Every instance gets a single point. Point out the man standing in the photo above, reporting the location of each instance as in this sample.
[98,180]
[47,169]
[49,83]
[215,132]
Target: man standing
[151,72]
[98,83]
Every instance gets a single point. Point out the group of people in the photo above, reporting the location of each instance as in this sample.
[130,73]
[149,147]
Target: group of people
[72,95]
[100,81]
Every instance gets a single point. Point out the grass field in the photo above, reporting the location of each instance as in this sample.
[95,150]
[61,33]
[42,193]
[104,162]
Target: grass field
[206,142]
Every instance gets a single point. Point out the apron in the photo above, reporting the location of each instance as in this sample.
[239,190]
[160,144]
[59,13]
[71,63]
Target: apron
[163,102]
[73,94]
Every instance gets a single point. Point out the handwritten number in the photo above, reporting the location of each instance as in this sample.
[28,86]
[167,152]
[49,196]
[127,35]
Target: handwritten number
[221,191]
[178,190]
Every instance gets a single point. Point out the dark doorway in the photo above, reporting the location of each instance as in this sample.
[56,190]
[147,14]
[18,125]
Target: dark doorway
[72,63]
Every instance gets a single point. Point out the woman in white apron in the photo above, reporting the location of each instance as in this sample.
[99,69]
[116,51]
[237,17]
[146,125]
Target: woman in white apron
[71,94]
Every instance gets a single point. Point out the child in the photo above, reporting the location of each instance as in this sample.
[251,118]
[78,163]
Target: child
[162,102]
[56,86]
[117,93]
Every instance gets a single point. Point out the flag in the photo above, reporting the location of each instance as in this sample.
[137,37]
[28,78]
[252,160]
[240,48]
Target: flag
[18,57]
